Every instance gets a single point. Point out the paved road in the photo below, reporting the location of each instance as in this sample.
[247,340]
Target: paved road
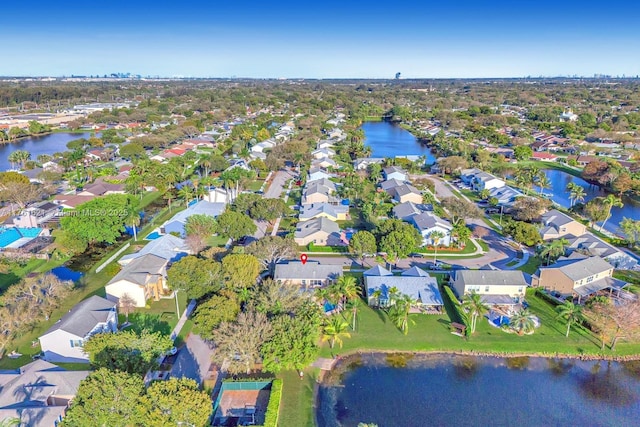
[275,189]
[193,359]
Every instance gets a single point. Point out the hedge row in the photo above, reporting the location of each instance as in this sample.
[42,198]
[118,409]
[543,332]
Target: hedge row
[459,315]
[273,408]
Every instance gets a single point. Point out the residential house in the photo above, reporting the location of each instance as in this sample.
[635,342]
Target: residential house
[568,116]
[309,275]
[325,162]
[52,166]
[325,143]
[72,200]
[363,163]
[394,172]
[43,212]
[506,196]
[319,231]
[544,157]
[406,193]
[322,153]
[557,224]
[406,210]
[390,184]
[467,175]
[177,222]
[101,188]
[416,283]
[333,212]
[486,181]
[320,191]
[317,173]
[38,394]
[168,247]
[582,160]
[428,223]
[142,279]
[577,276]
[591,245]
[497,287]
[64,340]
[217,195]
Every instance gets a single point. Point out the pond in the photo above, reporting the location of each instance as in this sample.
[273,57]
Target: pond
[36,145]
[395,390]
[65,273]
[387,139]
[558,193]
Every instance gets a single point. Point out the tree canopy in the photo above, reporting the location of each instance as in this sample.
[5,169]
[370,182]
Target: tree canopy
[196,276]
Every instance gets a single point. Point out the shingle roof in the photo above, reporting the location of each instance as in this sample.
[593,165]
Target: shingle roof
[390,183]
[84,316]
[491,277]
[424,289]
[428,220]
[405,189]
[415,272]
[377,271]
[581,268]
[168,247]
[201,208]
[405,210]
[307,228]
[556,218]
[28,390]
[142,270]
[315,209]
[310,270]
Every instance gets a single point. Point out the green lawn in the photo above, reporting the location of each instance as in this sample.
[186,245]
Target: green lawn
[431,333]
[17,272]
[217,241]
[630,276]
[531,265]
[297,405]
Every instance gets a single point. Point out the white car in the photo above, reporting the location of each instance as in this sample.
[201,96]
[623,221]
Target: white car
[172,351]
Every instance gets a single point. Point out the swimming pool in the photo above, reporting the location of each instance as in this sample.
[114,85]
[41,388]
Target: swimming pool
[9,236]
[328,307]
[153,236]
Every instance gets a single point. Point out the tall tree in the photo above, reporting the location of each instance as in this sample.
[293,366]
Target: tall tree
[106,398]
[270,250]
[522,322]
[399,312]
[196,276]
[240,270]
[570,313]
[631,229]
[175,402]
[363,243]
[235,225]
[335,331]
[436,236]
[222,307]
[554,249]
[474,306]
[609,202]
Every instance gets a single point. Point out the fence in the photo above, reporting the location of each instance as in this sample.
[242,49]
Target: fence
[112,257]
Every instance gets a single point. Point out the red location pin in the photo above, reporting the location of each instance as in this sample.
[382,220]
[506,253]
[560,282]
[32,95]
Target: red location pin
[303,258]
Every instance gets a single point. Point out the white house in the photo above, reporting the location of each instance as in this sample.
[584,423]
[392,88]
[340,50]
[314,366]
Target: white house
[394,172]
[428,223]
[64,340]
[497,287]
[142,279]
[316,174]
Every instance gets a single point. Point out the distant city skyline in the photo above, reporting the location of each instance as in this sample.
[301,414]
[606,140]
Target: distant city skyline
[330,39]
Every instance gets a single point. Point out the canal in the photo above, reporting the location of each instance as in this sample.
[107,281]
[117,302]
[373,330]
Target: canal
[391,390]
[37,145]
[559,194]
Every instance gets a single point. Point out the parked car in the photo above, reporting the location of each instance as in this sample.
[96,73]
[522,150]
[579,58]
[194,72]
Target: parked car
[416,255]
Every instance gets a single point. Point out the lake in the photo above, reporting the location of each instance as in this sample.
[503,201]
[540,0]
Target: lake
[387,139]
[470,391]
[559,180]
[47,144]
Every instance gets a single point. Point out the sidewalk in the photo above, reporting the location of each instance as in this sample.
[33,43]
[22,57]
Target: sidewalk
[183,319]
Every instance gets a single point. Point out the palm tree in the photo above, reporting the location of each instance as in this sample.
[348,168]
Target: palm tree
[522,322]
[186,193]
[376,296]
[353,305]
[473,305]
[335,331]
[461,233]
[399,312]
[576,193]
[554,248]
[543,182]
[133,219]
[571,313]
[610,201]
[435,237]
[12,421]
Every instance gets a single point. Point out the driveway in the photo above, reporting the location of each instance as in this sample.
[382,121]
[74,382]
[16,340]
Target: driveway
[277,184]
[193,359]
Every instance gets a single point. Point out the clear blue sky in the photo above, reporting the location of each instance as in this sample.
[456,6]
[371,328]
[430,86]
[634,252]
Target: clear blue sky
[329,39]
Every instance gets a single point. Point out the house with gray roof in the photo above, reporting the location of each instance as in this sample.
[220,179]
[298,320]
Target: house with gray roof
[320,191]
[389,184]
[577,276]
[317,173]
[309,275]
[556,224]
[169,247]
[406,193]
[64,340]
[177,222]
[415,282]
[333,212]
[394,172]
[506,196]
[428,223]
[591,245]
[320,231]
[38,394]
[364,162]
[406,210]
[142,279]
[497,287]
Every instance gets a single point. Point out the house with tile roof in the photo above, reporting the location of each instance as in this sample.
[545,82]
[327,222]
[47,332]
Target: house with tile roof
[380,284]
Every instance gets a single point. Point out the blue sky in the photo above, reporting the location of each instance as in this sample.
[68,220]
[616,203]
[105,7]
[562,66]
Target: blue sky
[330,39]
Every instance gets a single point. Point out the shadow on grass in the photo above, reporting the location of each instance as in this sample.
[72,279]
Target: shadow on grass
[149,322]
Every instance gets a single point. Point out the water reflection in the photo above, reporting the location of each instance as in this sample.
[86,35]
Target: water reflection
[445,390]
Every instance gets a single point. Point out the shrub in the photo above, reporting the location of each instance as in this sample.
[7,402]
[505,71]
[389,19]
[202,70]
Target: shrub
[273,408]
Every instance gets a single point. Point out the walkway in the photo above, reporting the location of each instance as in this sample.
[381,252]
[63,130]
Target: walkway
[183,319]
